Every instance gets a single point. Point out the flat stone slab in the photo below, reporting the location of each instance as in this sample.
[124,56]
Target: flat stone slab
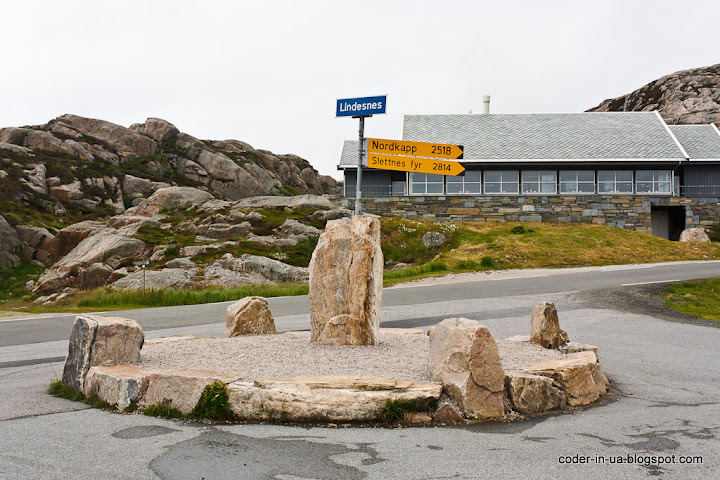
[579,375]
[118,385]
[182,387]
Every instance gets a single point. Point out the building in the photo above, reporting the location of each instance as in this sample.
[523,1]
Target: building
[625,169]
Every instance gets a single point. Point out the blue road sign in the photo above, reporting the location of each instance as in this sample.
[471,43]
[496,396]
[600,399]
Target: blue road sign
[354,107]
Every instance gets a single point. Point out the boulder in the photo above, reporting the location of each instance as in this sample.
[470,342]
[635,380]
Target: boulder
[333,214]
[130,145]
[433,239]
[119,385]
[169,198]
[13,135]
[297,201]
[68,193]
[293,227]
[580,376]
[100,341]
[346,276]
[96,275]
[694,235]
[141,186]
[215,275]
[39,140]
[178,278]
[316,398]
[545,327]
[9,245]
[273,270]
[447,413]
[464,357]
[533,393]
[36,180]
[182,387]
[70,237]
[574,347]
[159,129]
[182,262]
[249,316]
[220,231]
[9,148]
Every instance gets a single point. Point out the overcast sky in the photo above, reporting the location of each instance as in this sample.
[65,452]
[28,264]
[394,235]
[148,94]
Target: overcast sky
[269,72]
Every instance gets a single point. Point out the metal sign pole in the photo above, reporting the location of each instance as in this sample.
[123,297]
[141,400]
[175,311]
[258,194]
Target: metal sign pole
[358,177]
[143,268]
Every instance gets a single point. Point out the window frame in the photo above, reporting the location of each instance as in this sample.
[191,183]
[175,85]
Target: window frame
[452,180]
[540,182]
[502,182]
[654,182]
[615,182]
[577,182]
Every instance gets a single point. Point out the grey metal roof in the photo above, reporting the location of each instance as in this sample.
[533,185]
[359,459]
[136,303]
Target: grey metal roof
[701,142]
[551,136]
[349,156]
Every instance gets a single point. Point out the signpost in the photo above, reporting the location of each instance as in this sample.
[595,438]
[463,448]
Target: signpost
[141,264]
[360,108]
[415,149]
[411,164]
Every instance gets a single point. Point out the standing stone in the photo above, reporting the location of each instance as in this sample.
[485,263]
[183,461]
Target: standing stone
[249,316]
[102,341]
[545,327]
[346,275]
[464,357]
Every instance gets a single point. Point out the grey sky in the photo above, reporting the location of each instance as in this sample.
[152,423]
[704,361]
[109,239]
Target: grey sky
[269,72]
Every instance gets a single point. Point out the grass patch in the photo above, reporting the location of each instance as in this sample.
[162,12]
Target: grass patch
[402,239]
[12,281]
[57,389]
[395,409]
[699,299]
[163,409]
[171,297]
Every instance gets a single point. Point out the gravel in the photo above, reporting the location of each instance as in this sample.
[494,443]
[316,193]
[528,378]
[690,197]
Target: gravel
[403,357]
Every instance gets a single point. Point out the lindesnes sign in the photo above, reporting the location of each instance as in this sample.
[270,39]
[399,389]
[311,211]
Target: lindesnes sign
[395,154]
[360,108]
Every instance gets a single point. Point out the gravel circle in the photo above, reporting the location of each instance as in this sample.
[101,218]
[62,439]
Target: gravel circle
[403,357]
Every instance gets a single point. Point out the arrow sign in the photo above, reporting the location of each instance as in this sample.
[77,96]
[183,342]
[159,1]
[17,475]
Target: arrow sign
[415,149]
[419,165]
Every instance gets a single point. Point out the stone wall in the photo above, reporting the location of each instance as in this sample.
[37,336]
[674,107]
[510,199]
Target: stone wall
[632,212]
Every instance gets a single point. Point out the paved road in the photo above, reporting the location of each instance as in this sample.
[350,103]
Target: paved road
[665,374]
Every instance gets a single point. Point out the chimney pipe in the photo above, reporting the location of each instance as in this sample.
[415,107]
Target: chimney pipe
[486,104]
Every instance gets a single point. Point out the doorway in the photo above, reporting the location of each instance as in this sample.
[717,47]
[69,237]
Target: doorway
[667,222]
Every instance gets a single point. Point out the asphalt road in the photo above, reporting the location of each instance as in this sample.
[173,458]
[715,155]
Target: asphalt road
[665,376]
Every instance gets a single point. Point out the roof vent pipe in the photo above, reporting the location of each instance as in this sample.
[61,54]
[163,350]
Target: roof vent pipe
[486,104]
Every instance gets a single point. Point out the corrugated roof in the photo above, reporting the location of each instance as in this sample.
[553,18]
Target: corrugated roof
[701,142]
[551,136]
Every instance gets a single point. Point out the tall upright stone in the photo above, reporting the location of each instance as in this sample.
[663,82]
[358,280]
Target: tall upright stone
[545,327]
[346,274]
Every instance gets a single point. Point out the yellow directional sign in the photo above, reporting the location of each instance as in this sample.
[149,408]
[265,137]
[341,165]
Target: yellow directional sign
[410,164]
[415,149]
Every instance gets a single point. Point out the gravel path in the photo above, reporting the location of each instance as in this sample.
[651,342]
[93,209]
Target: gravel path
[403,357]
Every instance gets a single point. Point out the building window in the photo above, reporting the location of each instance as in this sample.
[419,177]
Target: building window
[398,189]
[577,181]
[653,181]
[539,182]
[468,183]
[422,183]
[615,181]
[502,181]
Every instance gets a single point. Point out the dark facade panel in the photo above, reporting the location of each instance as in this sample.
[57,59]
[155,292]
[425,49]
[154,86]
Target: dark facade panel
[700,180]
[374,183]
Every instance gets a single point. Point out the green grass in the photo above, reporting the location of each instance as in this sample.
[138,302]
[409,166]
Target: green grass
[402,239]
[395,409]
[163,409]
[699,299]
[57,389]
[12,281]
[106,298]
[214,403]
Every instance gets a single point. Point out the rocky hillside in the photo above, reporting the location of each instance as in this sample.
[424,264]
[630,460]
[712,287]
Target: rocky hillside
[686,97]
[74,168]
[189,239]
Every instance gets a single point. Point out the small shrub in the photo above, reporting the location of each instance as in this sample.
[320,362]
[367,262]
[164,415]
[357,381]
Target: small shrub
[395,409]
[714,233]
[171,252]
[467,265]
[486,261]
[518,230]
[213,403]
[163,409]
[437,266]
[57,389]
